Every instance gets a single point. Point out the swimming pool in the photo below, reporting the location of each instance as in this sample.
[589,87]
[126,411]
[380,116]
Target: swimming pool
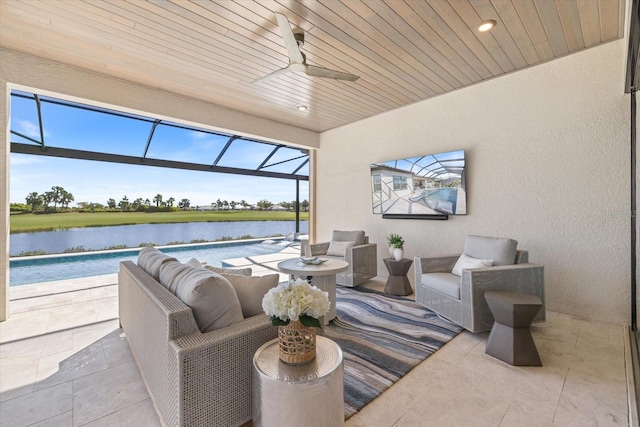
[27,270]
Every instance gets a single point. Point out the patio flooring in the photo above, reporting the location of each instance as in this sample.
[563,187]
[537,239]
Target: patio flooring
[65,362]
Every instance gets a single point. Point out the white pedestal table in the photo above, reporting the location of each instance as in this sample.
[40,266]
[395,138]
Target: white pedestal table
[309,395]
[323,276]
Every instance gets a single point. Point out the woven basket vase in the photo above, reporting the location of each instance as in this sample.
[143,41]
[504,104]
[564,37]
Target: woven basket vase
[297,343]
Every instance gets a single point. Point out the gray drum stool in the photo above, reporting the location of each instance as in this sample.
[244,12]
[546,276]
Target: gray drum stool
[510,339]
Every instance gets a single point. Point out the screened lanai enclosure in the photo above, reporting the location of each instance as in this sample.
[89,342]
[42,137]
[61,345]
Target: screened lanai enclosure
[107,135]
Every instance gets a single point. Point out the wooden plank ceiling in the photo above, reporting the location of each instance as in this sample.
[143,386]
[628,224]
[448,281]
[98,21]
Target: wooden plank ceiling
[403,50]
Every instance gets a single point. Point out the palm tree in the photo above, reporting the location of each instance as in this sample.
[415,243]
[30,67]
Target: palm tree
[56,197]
[46,199]
[65,198]
[111,203]
[170,201]
[35,200]
[158,200]
[184,203]
[124,203]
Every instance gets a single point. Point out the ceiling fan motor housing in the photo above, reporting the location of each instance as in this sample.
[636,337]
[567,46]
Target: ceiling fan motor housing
[299,36]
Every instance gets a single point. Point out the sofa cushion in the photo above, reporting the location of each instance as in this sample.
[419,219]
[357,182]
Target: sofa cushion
[501,250]
[195,263]
[465,262]
[251,290]
[338,248]
[172,272]
[349,236]
[150,259]
[245,271]
[446,283]
[211,297]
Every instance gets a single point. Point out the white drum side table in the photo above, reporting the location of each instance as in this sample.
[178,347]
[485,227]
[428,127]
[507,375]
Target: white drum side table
[323,277]
[310,395]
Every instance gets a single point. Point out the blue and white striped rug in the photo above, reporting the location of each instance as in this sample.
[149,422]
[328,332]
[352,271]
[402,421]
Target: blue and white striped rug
[382,338]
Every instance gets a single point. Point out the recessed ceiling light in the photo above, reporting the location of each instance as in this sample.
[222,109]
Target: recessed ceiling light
[302,108]
[487,25]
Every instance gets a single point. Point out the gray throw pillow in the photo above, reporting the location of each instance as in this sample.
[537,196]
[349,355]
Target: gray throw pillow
[251,290]
[211,297]
[246,271]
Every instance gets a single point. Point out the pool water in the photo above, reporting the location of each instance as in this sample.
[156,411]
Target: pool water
[27,270]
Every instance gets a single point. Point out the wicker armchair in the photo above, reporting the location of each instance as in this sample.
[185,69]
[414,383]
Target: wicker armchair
[460,299]
[362,257]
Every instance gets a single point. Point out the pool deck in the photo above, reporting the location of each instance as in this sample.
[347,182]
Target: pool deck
[44,295]
[265,264]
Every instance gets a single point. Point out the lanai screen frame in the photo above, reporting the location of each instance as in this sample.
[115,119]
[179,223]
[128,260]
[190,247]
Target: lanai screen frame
[35,147]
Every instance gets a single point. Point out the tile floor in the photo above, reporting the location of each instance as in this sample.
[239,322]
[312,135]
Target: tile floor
[65,362]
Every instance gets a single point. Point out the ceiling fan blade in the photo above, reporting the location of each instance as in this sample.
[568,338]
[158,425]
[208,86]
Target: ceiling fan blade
[314,71]
[295,56]
[271,75]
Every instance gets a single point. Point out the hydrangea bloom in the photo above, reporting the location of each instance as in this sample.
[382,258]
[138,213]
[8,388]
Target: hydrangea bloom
[295,299]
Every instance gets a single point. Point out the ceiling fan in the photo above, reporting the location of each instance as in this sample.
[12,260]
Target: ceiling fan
[297,59]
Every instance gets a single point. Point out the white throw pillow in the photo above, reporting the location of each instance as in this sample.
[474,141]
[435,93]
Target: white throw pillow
[339,248]
[465,262]
[222,270]
[251,290]
[211,297]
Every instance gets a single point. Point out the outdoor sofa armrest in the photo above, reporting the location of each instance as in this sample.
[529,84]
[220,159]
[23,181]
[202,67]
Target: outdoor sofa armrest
[214,371]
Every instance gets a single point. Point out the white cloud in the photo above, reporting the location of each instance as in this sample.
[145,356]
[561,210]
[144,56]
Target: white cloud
[30,129]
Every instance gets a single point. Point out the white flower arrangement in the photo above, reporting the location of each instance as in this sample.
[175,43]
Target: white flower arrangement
[295,300]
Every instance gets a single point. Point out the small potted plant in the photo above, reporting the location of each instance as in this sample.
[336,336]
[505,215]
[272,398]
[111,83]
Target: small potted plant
[396,246]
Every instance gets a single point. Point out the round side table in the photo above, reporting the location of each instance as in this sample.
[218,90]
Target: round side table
[323,276]
[310,395]
[398,282]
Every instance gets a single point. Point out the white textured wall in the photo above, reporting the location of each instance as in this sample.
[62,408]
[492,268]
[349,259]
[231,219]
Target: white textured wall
[547,152]
[30,71]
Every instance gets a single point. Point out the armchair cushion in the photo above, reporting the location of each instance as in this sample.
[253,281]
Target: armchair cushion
[349,236]
[465,262]
[501,250]
[338,248]
[445,283]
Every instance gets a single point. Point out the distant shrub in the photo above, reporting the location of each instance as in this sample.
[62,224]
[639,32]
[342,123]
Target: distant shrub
[75,249]
[176,243]
[32,253]
[116,247]
[143,244]
[224,239]
[245,237]
[198,241]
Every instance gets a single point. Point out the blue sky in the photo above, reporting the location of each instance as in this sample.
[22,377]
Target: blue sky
[91,181]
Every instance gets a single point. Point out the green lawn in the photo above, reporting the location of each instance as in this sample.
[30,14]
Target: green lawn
[41,222]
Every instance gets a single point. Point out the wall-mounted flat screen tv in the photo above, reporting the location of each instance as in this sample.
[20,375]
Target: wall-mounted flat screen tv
[433,184]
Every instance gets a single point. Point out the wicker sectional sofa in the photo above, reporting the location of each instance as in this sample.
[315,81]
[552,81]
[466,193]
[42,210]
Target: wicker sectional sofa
[194,378]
